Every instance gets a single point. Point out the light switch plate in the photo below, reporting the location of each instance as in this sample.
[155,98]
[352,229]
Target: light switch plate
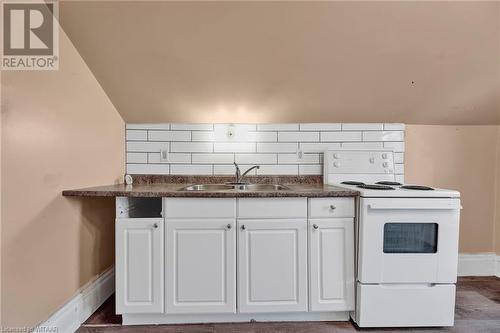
[164,155]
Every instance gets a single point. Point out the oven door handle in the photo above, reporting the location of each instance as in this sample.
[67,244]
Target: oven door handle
[440,206]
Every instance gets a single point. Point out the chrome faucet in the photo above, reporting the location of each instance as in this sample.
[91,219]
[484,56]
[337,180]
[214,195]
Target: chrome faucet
[238,176]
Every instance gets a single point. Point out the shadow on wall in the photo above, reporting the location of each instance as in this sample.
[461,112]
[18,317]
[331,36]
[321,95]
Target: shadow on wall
[80,246]
[97,241]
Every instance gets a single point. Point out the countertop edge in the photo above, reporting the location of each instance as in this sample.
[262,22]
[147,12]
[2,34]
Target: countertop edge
[316,193]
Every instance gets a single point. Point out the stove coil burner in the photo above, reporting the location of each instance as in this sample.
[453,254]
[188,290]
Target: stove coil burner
[417,187]
[389,183]
[376,187]
[350,182]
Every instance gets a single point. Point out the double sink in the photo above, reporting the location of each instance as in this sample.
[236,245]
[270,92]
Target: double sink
[235,187]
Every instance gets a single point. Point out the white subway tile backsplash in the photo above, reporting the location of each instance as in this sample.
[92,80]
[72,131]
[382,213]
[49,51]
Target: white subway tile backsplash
[172,158]
[399,157]
[192,127]
[229,169]
[256,159]
[133,146]
[205,149]
[400,178]
[317,147]
[148,169]
[394,127]
[136,135]
[137,157]
[397,147]
[310,169]
[321,127]
[212,158]
[148,126]
[278,169]
[277,127]
[236,147]
[277,147]
[233,132]
[262,136]
[298,136]
[362,127]
[383,136]
[294,159]
[190,169]
[340,136]
[203,136]
[399,169]
[191,147]
[169,136]
[362,145]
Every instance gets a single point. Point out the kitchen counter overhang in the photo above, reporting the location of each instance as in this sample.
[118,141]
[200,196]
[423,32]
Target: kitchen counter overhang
[175,190]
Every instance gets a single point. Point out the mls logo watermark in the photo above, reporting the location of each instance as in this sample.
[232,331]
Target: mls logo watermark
[30,35]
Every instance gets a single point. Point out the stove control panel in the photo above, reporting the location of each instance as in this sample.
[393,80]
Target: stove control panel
[359,162]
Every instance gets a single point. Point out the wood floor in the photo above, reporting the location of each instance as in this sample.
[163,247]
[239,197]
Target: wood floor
[477,311]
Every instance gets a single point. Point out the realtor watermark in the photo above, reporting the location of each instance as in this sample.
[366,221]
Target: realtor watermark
[30,35]
[27,329]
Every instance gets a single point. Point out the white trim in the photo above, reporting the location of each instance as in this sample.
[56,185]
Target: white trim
[480,264]
[78,309]
[145,319]
[498,267]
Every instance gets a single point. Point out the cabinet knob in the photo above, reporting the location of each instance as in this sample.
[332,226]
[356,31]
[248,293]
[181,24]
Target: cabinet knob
[155,225]
[333,207]
[243,227]
[228,227]
[315,226]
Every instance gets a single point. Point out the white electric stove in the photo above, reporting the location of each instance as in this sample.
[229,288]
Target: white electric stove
[407,242]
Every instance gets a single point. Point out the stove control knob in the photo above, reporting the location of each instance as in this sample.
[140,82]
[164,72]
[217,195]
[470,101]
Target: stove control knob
[335,155]
[336,164]
[384,156]
[385,164]
[372,160]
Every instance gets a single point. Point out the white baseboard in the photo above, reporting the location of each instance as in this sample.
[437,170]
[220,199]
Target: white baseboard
[498,267]
[72,314]
[481,264]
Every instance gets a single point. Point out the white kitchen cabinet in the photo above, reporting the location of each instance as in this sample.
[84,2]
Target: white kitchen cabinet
[139,265]
[272,265]
[200,272]
[331,264]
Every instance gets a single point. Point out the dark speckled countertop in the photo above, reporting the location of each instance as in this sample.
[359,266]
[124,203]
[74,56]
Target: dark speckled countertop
[170,186]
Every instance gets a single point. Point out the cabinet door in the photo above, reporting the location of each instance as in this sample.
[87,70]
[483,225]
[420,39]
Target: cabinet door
[331,263]
[200,266]
[139,265]
[272,262]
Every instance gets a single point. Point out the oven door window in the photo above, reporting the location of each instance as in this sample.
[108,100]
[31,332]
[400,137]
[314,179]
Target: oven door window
[410,237]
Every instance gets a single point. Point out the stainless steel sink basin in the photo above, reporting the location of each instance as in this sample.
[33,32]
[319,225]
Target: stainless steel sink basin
[208,187]
[234,187]
[261,187]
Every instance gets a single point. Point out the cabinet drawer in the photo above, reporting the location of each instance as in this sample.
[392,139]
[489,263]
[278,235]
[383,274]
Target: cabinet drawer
[331,207]
[272,208]
[200,208]
[389,306]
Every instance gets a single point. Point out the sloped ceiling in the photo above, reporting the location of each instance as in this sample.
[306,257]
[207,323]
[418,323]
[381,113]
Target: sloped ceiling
[412,62]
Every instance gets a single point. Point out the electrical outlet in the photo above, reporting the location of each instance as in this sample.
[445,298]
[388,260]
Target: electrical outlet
[300,155]
[164,155]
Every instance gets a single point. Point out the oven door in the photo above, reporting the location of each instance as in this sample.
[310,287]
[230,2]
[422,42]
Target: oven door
[408,240]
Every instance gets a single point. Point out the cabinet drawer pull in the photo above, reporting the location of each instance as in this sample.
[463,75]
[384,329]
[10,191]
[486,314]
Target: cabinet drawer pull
[315,226]
[228,227]
[155,225]
[243,227]
[333,207]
